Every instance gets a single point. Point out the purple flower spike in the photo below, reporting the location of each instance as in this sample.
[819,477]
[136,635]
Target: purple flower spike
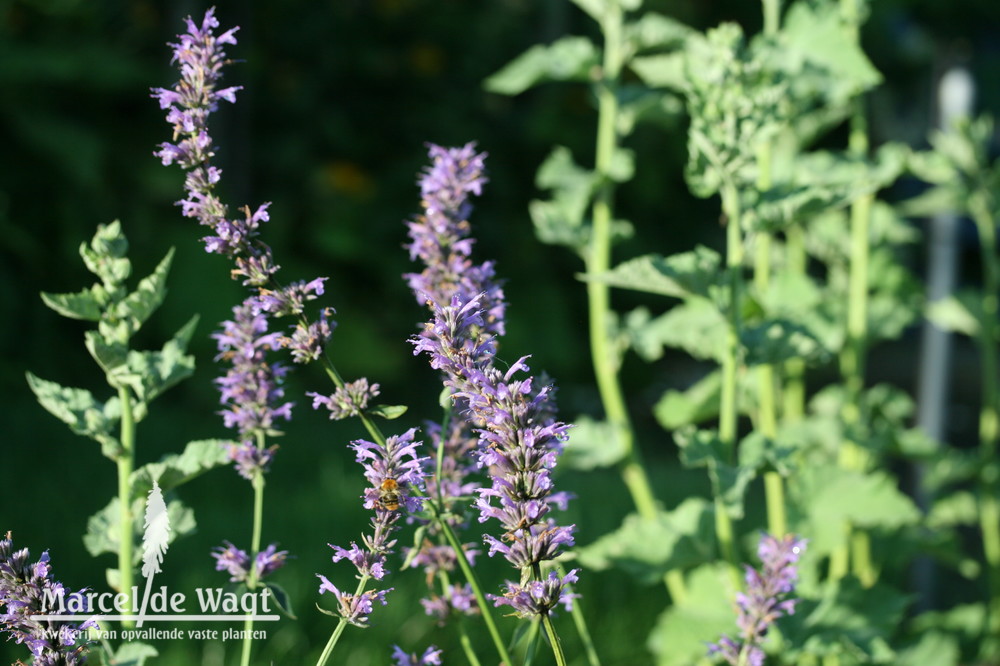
[24,588]
[354,609]
[538,597]
[765,600]
[348,401]
[251,388]
[430,657]
[233,560]
[269,560]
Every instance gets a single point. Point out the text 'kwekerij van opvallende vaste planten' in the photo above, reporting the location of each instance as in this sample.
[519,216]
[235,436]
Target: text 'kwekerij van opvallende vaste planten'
[798,536]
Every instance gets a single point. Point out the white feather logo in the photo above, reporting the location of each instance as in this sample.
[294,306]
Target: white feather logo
[155,540]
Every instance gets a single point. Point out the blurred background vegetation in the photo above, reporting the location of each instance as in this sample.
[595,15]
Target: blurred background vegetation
[339,98]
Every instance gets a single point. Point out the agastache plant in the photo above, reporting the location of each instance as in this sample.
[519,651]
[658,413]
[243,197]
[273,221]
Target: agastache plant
[765,600]
[519,441]
[24,588]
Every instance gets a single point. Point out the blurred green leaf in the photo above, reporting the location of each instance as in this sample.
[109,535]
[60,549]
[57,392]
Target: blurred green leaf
[663,70]
[682,631]
[704,448]
[560,220]
[653,31]
[593,444]
[78,409]
[960,313]
[136,308]
[175,469]
[150,373]
[133,654]
[935,647]
[281,599]
[110,355]
[105,256]
[648,548]
[776,341]
[958,508]
[696,326]
[86,304]
[566,59]
[694,273]
[692,406]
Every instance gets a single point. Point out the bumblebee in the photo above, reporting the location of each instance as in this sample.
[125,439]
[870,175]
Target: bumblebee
[388,495]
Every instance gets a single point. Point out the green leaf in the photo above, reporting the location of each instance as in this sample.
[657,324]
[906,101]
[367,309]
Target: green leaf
[956,313]
[175,469]
[681,632]
[692,406]
[566,59]
[935,647]
[102,534]
[387,412]
[849,620]
[655,31]
[696,326]
[964,620]
[704,448]
[560,220]
[136,308]
[87,304]
[150,373]
[958,508]
[105,256]
[663,70]
[133,654]
[694,273]
[593,444]
[833,497]
[282,599]
[111,355]
[817,33]
[647,548]
[78,409]
[776,341]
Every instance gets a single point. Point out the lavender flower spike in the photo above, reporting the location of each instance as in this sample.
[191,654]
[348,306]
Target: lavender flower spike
[24,587]
[236,562]
[394,471]
[251,388]
[765,600]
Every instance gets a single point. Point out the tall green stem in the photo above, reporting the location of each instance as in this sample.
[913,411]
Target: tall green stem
[598,260]
[126,463]
[341,625]
[852,456]
[729,409]
[794,386]
[989,414]
[774,485]
[258,520]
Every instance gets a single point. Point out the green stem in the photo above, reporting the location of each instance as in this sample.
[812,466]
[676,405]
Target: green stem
[581,626]
[473,581]
[989,414]
[126,463]
[463,639]
[341,625]
[794,386]
[550,631]
[258,520]
[598,260]
[772,16]
[774,485]
[728,403]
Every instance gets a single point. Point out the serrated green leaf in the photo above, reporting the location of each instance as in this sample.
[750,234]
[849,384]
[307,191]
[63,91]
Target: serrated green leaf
[593,444]
[136,308]
[87,304]
[648,548]
[566,59]
[697,327]
[692,406]
[102,534]
[694,273]
[110,355]
[133,654]
[282,599]
[175,469]
[683,630]
[78,409]
[387,412]
[150,373]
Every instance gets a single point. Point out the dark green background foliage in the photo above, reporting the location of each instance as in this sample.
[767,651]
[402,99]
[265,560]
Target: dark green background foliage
[339,98]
